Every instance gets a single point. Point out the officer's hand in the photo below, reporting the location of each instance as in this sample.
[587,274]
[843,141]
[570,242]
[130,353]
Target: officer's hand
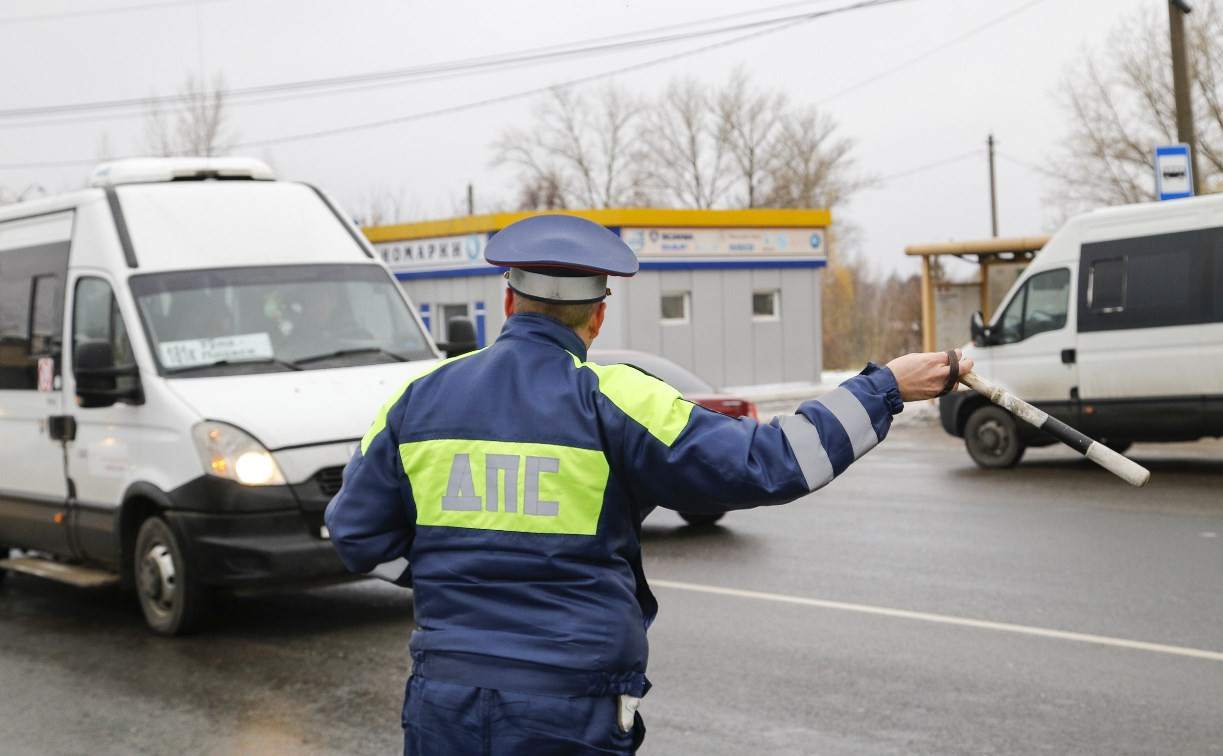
[923,375]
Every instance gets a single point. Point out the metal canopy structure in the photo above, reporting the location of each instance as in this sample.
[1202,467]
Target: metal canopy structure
[984,252]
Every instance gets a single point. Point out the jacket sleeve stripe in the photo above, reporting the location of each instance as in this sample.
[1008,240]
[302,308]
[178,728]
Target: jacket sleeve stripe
[658,407]
[804,440]
[380,421]
[390,571]
[379,424]
[853,417]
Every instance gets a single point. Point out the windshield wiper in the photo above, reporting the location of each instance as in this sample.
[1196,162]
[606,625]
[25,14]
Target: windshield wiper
[226,363]
[346,352]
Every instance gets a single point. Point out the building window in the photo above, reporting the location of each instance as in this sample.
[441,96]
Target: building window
[765,305]
[445,313]
[675,307]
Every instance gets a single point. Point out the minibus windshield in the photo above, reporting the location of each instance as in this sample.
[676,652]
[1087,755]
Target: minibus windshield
[276,318]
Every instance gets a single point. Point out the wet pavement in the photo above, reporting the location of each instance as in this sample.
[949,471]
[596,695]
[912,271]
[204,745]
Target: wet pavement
[917,605]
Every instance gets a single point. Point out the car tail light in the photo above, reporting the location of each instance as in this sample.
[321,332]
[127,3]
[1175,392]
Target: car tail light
[729,406]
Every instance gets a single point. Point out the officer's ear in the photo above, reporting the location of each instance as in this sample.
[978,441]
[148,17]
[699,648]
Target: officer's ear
[596,320]
[509,302]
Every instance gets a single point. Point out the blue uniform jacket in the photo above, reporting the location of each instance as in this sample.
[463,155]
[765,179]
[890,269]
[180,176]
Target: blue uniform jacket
[508,486]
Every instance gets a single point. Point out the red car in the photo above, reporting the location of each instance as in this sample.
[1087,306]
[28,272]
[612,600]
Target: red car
[694,389]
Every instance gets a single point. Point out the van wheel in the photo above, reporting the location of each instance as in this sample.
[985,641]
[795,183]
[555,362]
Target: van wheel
[701,520]
[171,599]
[992,438]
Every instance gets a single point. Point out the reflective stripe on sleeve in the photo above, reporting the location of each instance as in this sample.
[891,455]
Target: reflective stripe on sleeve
[804,440]
[390,571]
[853,418]
[379,423]
[657,406]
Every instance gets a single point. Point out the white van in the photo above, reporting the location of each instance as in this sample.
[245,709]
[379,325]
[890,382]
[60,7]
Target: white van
[1116,328]
[189,352]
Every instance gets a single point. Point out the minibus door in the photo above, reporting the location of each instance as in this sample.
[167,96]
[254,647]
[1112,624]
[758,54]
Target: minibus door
[33,426]
[1033,345]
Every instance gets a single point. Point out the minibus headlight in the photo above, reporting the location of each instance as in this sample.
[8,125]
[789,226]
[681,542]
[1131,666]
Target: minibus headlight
[227,452]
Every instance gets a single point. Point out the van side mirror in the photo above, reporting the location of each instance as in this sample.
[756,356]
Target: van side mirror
[97,376]
[460,337]
[980,331]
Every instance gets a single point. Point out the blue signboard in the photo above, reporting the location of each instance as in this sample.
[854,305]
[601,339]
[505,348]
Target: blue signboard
[1173,172]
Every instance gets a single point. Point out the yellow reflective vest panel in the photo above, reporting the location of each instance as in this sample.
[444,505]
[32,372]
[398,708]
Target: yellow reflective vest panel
[508,487]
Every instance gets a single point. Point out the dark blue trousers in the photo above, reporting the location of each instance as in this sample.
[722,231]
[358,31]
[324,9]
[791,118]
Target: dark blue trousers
[446,719]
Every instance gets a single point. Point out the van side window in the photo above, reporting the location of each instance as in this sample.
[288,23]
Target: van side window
[1039,306]
[31,311]
[96,317]
[1106,285]
[1217,287]
[1150,281]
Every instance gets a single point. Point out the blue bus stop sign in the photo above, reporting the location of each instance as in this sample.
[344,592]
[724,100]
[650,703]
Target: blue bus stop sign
[1173,172]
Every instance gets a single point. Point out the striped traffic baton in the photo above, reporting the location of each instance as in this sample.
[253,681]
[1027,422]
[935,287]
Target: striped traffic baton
[1121,466]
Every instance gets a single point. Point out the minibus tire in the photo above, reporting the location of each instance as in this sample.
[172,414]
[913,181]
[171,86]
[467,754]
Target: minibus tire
[992,438]
[701,520]
[170,597]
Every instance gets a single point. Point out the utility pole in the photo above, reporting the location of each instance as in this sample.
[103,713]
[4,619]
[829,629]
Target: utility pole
[1177,9]
[471,199]
[993,192]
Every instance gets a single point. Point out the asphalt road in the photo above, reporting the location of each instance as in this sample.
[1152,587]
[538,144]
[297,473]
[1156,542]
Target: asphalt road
[917,605]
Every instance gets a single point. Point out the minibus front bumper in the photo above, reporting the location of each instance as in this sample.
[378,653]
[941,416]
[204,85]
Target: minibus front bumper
[238,535]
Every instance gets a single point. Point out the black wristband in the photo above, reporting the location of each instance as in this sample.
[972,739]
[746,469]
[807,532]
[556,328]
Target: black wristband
[954,375]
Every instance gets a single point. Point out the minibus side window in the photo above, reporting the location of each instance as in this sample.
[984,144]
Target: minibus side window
[1106,285]
[31,312]
[96,317]
[1039,306]
[1217,288]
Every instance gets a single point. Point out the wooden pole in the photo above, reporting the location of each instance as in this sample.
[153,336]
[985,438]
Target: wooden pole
[927,305]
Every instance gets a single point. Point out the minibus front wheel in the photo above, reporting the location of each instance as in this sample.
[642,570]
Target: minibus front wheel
[170,597]
[992,437]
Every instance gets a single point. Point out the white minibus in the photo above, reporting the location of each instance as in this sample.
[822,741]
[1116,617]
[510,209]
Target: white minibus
[1115,328]
[189,352]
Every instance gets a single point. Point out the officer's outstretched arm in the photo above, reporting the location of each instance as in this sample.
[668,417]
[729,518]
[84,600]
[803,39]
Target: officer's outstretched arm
[716,463]
[371,519]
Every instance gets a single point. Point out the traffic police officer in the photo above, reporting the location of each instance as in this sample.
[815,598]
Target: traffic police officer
[507,487]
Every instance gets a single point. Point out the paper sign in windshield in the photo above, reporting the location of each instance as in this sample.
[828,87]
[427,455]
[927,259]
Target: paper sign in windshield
[193,352]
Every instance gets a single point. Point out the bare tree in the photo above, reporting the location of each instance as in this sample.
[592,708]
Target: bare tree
[752,118]
[686,147]
[379,206]
[578,151]
[812,166]
[1120,106]
[195,127]
[693,146]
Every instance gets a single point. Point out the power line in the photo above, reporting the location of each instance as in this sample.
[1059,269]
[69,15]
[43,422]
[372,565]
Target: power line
[570,83]
[101,11]
[595,46]
[928,53]
[778,26]
[1029,165]
[932,166]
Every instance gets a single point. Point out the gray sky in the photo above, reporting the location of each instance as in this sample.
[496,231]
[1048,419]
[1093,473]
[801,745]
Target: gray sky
[918,84]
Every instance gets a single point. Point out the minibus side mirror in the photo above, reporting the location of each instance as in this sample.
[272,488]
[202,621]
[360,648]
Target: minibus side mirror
[97,375]
[460,337]
[980,331]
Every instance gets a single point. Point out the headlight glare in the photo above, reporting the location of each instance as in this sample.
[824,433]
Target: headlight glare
[231,453]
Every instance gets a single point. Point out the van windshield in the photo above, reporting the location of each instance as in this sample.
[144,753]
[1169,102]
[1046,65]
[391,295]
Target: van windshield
[286,317]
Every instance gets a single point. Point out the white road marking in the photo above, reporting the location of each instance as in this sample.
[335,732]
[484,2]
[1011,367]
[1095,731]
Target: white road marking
[1100,640]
